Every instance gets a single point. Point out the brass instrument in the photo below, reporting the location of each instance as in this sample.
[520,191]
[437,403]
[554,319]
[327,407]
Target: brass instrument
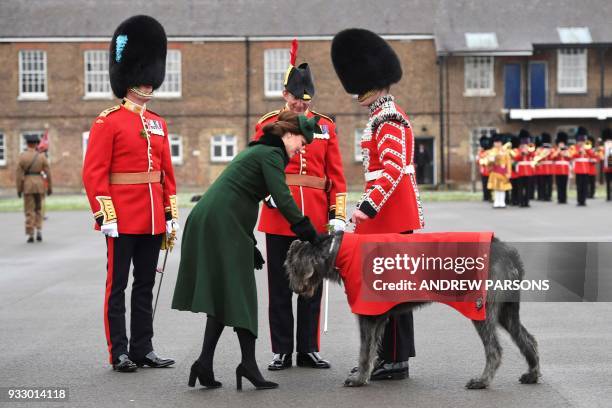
[541,155]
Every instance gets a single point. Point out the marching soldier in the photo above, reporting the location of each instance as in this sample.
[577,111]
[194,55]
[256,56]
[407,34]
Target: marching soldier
[501,170]
[367,66]
[581,158]
[316,180]
[607,160]
[592,167]
[129,180]
[33,181]
[544,161]
[483,167]
[514,141]
[561,159]
[524,168]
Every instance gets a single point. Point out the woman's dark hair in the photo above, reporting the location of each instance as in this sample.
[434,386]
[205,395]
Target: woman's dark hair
[287,122]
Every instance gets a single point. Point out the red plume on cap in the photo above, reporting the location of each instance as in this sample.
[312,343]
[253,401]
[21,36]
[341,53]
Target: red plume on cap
[293,53]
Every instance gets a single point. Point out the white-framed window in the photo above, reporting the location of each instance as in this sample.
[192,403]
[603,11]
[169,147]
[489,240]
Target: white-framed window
[176,149]
[171,87]
[223,148]
[2,149]
[276,62]
[32,74]
[478,74]
[85,143]
[22,140]
[358,154]
[475,136]
[97,83]
[572,70]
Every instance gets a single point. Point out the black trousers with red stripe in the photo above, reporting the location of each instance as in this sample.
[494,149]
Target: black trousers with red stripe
[397,343]
[143,252]
[280,305]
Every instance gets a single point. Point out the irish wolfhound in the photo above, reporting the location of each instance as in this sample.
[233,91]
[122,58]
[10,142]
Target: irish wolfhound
[307,265]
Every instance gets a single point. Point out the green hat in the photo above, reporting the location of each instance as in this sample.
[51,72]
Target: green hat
[308,127]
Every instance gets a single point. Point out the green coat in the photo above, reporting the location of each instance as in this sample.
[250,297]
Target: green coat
[216,272]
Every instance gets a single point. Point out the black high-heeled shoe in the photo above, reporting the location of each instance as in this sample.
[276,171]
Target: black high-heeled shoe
[206,377]
[259,383]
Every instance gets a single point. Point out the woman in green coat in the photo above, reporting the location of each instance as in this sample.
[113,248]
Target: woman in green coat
[219,254]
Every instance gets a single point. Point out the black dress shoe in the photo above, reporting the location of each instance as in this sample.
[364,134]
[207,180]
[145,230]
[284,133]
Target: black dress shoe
[39,237]
[280,362]
[152,360]
[30,239]
[312,360]
[124,365]
[387,371]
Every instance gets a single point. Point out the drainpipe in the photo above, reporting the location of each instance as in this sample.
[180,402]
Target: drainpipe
[247,127]
[441,142]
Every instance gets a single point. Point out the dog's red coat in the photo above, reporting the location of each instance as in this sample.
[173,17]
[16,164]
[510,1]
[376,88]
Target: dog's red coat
[349,263]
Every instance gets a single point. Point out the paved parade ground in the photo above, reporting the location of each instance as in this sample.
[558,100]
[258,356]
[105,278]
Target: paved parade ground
[52,333]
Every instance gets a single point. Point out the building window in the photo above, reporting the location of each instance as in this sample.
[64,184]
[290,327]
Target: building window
[85,143]
[276,62]
[572,70]
[22,141]
[479,76]
[97,83]
[222,148]
[171,88]
[2,149]
[358,152]
[32,74]
[176,149]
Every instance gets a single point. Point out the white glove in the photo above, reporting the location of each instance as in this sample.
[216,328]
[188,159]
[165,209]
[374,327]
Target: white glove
[172,225]
[110,230]
[337,224]
[269,201]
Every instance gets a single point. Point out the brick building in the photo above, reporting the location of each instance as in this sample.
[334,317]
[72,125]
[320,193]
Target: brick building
[226,62]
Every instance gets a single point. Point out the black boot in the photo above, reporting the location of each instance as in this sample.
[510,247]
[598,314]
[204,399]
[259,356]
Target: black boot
[30,239]
[39,236]
[205,376]
[248,367]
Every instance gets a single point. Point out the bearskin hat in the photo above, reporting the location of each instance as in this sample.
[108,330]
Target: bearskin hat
[498,137]
[137,54]
[606,134]
[364,61]
[561,138]
[485,142]
[546,139]
[581,134]
[298,80]
[524,136]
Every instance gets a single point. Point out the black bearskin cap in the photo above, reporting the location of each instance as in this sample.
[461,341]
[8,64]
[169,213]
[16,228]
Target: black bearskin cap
[498,137]
[606,134]
[137,54]
[364,61]
[546,138]
[561,138]
[485,142]
[300,83]
[516,141]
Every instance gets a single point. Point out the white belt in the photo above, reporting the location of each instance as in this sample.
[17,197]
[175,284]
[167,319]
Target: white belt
[585,159]
[373,175]
[546,162]
[563,163]
[524,163]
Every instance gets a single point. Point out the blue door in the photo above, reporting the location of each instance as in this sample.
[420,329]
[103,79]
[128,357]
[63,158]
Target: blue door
[537,85]
[512,86]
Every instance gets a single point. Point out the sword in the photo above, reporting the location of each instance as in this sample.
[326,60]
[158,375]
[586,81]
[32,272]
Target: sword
[169,244]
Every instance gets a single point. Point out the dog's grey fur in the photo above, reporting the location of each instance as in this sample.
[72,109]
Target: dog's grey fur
[307,265]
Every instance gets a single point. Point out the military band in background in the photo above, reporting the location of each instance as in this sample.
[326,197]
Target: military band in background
[515,169]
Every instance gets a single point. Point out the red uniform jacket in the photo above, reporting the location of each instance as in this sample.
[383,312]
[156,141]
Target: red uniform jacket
[484,168]
[321,159]
[561,162]
[349,263]
[118,145]
[524,165]
[391,197]
[606,156]
[582,159]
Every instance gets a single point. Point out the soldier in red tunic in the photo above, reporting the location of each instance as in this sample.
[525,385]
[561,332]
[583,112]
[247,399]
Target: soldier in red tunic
[316,181]
[367,66]
[129,180]
[581,159]
[524,167]
[483,165]
[606,157]
[561,160]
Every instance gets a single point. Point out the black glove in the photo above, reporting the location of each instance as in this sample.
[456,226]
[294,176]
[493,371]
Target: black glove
[49,192]
[305,231]
[258,260]
[19,194]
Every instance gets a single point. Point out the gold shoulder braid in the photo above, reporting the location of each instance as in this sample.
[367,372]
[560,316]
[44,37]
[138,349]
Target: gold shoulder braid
[108,111]
[268,115]
[107,210]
